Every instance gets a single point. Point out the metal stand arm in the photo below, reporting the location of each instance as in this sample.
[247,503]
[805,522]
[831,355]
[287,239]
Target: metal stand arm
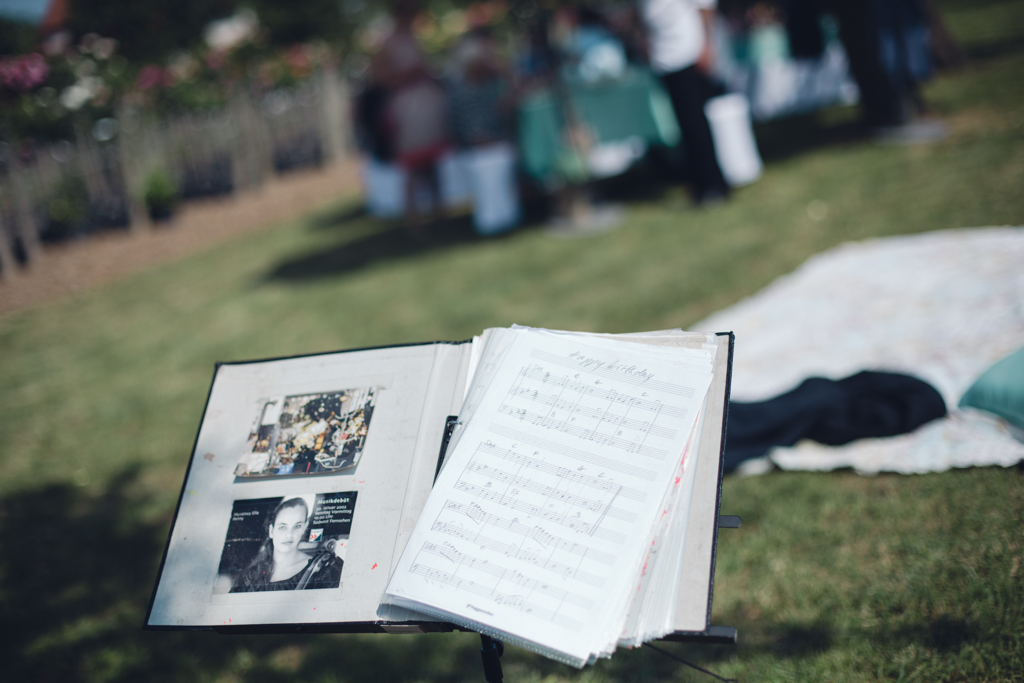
[490,652]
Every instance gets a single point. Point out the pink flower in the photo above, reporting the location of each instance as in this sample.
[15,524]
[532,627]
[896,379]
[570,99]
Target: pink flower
[298,57]
[23,73]
[215,59]
[150,76]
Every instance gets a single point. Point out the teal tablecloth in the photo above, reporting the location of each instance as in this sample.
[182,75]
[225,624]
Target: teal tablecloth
[634,106]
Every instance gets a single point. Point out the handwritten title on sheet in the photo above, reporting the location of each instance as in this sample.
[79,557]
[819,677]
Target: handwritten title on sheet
[590,363]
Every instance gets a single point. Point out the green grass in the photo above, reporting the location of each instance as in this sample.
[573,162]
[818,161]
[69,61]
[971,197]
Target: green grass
[834,577]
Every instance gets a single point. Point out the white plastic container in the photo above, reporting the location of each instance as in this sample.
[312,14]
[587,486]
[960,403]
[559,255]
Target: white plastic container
[735,147]
[384,188]
[491,172]
[452,180]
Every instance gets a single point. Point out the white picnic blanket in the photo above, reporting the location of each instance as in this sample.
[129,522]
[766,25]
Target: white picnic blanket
[943,306]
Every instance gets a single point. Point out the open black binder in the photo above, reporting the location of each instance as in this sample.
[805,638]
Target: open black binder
[384,416]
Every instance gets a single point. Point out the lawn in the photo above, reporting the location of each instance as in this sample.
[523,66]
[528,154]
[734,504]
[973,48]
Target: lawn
[831,577]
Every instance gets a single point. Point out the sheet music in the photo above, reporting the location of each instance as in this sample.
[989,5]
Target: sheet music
[653,609]
[538,523]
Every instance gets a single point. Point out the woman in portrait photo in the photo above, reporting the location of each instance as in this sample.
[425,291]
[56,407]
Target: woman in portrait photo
[281,565]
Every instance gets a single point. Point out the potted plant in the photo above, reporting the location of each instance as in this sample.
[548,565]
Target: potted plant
[160,195]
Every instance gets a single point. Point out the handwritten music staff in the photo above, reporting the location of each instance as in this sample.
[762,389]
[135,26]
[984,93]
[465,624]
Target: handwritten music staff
[538,374]
[585,433]
[550,492]
[554,401]
[536,533]
[563,473]
[513,601]
[561,518]
[510,550]
[589,409]
[553,446]
[516,578]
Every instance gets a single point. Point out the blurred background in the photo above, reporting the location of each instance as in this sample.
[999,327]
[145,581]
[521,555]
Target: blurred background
[183,183]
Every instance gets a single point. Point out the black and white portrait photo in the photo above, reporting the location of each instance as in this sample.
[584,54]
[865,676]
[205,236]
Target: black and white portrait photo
[286,543]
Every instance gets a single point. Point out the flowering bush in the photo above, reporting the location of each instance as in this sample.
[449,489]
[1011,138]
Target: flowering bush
[41,95]
[23,73]
[187,82]
[48,95]
[235,54]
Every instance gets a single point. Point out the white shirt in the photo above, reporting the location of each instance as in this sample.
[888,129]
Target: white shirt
[420,116]
[675,32]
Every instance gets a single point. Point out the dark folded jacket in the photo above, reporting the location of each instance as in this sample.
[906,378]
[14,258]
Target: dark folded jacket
[833,412]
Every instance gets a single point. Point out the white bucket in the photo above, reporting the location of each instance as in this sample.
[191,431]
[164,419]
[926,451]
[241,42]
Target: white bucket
[735,147]
[452,181]
[384,187]
[491,172]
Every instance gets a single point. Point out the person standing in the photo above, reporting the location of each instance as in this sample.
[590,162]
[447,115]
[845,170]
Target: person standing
[482,110]
[416,109]
[888,44]
[680,51]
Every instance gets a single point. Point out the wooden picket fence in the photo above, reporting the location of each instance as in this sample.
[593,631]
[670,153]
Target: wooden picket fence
[68,190]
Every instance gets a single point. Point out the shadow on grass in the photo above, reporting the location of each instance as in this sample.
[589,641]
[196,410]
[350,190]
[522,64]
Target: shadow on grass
[338,217]
[945,634]
[389,243]
[785,138]
[797,640]
[76,575]
[77,571]
[801,640]
[995,49]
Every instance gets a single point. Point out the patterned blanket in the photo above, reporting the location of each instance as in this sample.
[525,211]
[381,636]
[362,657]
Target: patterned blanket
[943,306]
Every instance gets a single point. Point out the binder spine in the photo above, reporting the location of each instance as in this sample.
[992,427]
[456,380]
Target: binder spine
[449,426]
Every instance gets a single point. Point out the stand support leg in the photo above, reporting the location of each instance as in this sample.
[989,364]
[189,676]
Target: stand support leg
[490,652]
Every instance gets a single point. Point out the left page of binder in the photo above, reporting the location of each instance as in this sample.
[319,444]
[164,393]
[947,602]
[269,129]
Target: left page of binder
[306,475]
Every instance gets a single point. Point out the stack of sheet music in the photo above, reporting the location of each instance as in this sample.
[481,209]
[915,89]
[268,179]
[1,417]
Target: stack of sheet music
[558,520]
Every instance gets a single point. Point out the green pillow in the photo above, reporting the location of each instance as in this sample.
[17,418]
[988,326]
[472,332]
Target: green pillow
[1000,390]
